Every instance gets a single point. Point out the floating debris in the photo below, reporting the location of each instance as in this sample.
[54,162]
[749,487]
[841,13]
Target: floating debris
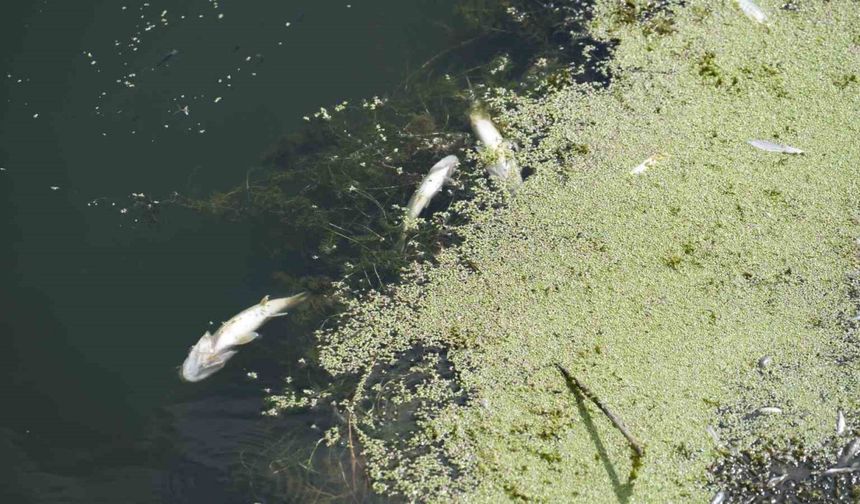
[765,362]
[582,391]
[55,188]
[212,352]
[167,57]
[752,11]
[439,175]
[769,146]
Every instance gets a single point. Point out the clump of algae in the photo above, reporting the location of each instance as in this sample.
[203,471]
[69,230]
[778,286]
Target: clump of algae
[660,291]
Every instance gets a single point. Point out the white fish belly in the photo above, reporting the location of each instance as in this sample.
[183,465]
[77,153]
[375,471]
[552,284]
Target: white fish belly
[752,11]
[244,323]
[767,145]
[487,133]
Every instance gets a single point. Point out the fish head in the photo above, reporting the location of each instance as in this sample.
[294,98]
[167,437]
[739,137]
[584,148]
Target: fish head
[200,365]
[445,167]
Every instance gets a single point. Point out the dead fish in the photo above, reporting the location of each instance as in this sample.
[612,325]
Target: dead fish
[849,451]
[769,410]
[504,167]
[767,145]
[752,11]
[644,165]
[713,433]
[719,498]
[840,422]
[840,470]
[776,480]
[212,351]
[439,175]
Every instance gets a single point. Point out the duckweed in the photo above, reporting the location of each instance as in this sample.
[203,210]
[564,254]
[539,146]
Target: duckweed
[684,277]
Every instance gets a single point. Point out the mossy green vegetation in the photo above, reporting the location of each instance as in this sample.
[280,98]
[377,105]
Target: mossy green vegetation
[660,291]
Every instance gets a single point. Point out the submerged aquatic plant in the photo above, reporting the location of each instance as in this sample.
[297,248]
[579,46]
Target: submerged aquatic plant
[330,201]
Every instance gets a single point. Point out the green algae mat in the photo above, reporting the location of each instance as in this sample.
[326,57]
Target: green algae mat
[660,290]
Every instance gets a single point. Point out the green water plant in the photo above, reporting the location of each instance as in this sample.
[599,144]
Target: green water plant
[661,290]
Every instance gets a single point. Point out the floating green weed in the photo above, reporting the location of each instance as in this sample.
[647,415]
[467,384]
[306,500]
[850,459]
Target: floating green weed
[684,276]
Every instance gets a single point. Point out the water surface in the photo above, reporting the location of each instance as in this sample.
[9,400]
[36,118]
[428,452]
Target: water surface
[100,302]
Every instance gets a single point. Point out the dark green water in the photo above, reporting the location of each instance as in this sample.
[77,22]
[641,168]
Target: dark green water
[98,309]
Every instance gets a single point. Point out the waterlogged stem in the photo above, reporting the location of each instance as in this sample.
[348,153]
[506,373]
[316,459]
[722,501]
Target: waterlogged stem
[585,391]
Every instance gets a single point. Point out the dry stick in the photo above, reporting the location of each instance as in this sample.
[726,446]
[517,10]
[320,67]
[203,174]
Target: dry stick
[640,451]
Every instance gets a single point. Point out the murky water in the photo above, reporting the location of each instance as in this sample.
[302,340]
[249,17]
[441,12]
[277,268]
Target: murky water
[99,301]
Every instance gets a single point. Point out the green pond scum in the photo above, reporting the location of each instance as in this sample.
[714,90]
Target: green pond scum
[659,290]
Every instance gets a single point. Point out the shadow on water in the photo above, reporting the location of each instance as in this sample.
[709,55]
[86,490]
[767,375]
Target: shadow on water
[623,491]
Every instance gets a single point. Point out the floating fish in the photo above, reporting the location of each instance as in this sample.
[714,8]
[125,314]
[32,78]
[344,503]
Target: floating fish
[849,451]
[718,443]
[776,480]
[840,423]
[644,165]
[212,351]
[504,167]
[769,410]
[769,146]
[752,11]
[719,498]
[840,470]
[439,175]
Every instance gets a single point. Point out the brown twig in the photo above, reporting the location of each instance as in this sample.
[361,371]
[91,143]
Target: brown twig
[634,444]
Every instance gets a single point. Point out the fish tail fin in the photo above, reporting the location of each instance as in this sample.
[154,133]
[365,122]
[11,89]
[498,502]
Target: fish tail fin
[298,299]
[292,301]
